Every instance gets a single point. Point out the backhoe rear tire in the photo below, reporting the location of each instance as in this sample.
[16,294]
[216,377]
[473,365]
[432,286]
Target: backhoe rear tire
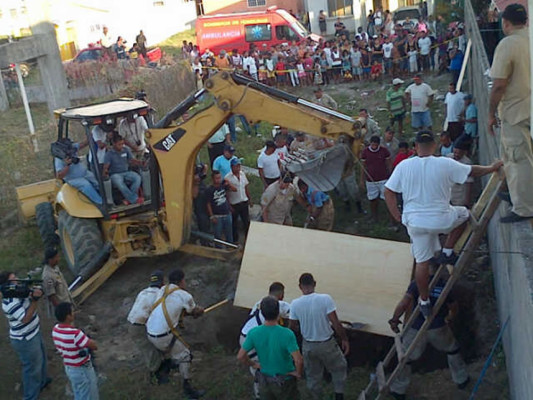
[81,240]
[44,215]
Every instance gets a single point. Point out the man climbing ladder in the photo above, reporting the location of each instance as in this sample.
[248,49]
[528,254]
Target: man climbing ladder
[425,183]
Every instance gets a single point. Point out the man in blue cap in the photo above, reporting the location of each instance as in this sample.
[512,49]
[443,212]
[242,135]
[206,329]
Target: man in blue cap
[222,162]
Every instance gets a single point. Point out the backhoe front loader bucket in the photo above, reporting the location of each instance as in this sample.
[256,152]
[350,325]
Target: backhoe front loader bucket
[320,169]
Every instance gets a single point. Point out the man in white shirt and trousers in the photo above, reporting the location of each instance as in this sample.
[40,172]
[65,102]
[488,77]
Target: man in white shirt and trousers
[315,316]
[137,318]
[425,183]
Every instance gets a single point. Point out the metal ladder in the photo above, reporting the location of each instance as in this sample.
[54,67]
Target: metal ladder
[480,216]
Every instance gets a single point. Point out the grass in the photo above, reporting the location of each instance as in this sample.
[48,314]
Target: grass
[172,45]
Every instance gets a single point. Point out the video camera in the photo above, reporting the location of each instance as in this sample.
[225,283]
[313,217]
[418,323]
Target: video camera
[20,288]
[64,149]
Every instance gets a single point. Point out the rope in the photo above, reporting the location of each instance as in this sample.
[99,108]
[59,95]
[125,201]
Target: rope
[489,360]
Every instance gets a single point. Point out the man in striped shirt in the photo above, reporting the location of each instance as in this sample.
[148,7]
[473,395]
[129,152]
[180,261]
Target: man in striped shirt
[74,346]
[25,337]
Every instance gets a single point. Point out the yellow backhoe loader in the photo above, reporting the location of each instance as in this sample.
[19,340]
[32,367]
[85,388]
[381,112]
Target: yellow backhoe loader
[98,240]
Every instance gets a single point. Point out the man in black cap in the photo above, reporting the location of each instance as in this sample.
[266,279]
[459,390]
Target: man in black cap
[138,316]
[462,193]
[269,165]
[511,97]
[55,286]
[425,183]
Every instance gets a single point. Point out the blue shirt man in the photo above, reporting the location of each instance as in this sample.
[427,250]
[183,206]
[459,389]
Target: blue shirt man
[223,162]
[321,210]
[78,176]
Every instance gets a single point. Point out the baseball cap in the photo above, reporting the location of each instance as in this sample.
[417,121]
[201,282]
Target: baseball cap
[424,137]
[156,277]
[235,161]
[397,81]
[229,148]
[515,13]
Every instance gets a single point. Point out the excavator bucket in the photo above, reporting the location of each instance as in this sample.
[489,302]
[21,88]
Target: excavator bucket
[320,169]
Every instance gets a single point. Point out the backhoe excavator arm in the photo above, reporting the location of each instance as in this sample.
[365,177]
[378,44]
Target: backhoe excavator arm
[176,147]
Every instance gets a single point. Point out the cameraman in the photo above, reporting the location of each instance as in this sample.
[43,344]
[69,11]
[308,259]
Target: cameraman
[25,337]
[77,175]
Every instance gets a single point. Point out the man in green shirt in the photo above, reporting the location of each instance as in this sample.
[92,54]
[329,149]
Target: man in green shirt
[396,104]
[280,362]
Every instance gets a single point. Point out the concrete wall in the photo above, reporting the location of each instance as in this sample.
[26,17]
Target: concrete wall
[232,6]
[511,245]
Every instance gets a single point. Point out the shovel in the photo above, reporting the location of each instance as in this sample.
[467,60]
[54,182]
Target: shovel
[220,303]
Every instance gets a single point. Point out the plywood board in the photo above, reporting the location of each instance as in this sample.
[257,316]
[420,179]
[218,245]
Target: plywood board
[366,277]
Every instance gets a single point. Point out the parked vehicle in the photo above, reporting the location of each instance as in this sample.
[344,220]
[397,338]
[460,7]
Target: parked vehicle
[412,14]
[240,30]
[95,53]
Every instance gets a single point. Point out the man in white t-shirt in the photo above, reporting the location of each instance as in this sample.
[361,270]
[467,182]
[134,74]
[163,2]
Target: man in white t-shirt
[425,183]
[315,316]
[163,324]
[132,129]
[239,198]
[420,95]
[101,137]
[387,55]
[454,103]
[269,165]
[137,317]
[256,318]
[424,44]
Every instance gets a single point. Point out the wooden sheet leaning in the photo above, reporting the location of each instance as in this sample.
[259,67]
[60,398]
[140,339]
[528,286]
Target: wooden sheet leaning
[366,277]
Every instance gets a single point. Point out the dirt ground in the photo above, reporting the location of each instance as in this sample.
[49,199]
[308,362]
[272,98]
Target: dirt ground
[214,337]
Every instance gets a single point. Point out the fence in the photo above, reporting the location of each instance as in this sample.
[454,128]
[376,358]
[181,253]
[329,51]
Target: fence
[511,245]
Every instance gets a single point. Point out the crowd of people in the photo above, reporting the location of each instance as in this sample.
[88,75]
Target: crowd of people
[426,187]
[117,49]
[384,50]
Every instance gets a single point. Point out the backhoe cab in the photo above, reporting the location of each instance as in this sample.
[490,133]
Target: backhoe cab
[96,240]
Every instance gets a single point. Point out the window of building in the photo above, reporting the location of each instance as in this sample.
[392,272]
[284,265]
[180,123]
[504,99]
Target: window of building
[340,8]
[158,3]
[13,13]
[284,32]
[256,3]
[258,32]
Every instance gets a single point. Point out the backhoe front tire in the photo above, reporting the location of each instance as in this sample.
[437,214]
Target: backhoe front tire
[44,215]
[81,240]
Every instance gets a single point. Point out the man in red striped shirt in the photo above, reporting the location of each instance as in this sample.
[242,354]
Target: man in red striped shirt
[74,346]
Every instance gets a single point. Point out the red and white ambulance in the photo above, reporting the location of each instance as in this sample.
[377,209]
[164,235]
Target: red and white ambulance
[240,30]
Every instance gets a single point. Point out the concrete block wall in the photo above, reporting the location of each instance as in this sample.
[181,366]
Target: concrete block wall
[510,245]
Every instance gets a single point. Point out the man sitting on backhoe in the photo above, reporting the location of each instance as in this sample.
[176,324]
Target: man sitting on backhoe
[117,166]
[77,175]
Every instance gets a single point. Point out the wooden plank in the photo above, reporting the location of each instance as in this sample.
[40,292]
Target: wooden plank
[399,346]
[366,277]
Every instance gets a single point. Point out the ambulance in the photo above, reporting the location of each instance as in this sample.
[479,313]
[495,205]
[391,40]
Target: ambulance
[240,30]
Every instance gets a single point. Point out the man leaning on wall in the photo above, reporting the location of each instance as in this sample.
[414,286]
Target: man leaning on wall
[511,97]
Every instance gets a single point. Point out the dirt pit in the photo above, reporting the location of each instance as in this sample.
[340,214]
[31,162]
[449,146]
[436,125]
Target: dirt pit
[214,340]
